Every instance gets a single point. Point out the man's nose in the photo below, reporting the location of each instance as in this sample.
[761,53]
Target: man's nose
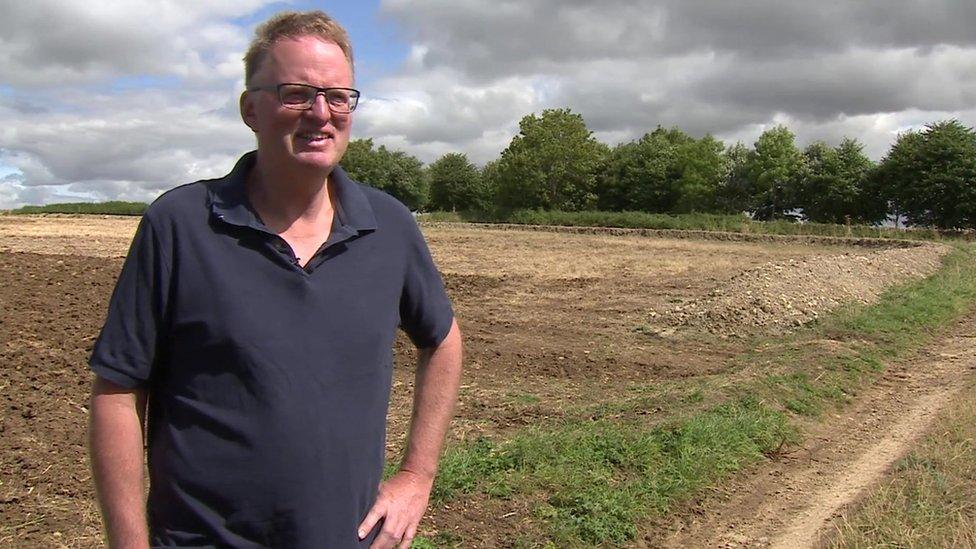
[320,107]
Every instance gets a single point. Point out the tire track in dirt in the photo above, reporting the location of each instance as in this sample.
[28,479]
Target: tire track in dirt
[789,502]
[804,530]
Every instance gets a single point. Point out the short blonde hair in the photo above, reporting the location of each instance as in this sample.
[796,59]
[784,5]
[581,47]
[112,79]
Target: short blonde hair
[291,24]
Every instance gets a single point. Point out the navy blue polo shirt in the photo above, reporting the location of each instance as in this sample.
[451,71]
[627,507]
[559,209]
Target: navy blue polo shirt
[269,383]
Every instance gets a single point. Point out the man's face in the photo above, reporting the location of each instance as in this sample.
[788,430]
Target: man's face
[314,139]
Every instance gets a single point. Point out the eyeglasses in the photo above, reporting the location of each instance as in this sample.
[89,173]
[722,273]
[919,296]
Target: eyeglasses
[301,97]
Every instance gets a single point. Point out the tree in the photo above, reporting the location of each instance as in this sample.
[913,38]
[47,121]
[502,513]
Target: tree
[889,177]
[733,194]
[489,178]
[394,172]
[551,164]
[362,162]
[856,167]
[665,171]
[639,173]
[456,184]
[930,176]
[701,171]
[833,186]
[773,172]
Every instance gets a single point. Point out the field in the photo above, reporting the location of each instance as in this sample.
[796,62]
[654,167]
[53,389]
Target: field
[556,324]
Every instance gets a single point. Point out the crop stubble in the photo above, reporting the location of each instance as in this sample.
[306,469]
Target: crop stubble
[552,321]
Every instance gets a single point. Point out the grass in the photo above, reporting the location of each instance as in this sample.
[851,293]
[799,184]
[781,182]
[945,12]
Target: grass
[596,479]
[930,498]
[595,476]
[733,223]
[105,208]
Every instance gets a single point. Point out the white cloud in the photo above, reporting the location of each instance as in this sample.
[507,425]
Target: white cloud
[433,113]
[69,131]
[72,41]
[136,144]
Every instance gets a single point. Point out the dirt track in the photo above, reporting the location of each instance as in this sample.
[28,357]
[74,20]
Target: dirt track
[789,502]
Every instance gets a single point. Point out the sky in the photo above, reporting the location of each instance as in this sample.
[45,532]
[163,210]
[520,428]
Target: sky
[124,99]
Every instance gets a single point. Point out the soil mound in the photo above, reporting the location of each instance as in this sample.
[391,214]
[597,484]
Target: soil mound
[779,296]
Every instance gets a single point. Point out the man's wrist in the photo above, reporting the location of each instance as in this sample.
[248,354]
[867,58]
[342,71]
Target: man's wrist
[425,475]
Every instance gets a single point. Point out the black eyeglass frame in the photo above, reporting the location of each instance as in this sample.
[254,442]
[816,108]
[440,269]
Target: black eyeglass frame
[353,96]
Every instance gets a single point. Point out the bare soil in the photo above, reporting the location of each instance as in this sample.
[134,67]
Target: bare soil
[552,321]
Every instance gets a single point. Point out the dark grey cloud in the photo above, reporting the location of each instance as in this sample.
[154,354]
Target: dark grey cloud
[852,83]
[494,38]
[72,37]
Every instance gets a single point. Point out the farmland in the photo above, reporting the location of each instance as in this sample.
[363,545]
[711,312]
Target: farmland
[558,327]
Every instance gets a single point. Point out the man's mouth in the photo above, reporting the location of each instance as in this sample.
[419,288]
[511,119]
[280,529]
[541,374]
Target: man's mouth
[314,137]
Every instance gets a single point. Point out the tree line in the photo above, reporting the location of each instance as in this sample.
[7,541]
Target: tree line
[928,177]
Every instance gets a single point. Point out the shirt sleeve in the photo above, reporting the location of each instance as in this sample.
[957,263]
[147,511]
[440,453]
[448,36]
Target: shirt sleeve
[127,347]
[425,309]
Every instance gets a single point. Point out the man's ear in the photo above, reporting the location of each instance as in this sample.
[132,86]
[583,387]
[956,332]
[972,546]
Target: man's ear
[247,111]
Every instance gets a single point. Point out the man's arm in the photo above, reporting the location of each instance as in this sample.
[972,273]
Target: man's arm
[115,445]
[402,499]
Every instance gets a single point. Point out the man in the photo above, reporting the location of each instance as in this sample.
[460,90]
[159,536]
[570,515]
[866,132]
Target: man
[255,314]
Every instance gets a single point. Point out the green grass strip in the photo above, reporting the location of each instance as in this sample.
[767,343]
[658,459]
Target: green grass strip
[596,479]
[102,208]
[906,315]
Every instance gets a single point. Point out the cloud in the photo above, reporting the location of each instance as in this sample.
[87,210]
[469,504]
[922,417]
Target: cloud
[138,144]
[46,42]
[435,108]
[726,68]
[491,38]
[121,99]
[854,82]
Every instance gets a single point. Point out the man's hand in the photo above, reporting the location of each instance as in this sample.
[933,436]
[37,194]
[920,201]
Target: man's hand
[401,502]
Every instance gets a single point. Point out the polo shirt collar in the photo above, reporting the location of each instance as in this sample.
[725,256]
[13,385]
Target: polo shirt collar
[229,203]
[352,206]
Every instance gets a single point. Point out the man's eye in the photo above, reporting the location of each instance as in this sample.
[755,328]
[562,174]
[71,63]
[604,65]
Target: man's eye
[294,97]
[338,98]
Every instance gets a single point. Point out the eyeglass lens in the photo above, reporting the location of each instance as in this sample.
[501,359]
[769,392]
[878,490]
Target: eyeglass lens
[300,96]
